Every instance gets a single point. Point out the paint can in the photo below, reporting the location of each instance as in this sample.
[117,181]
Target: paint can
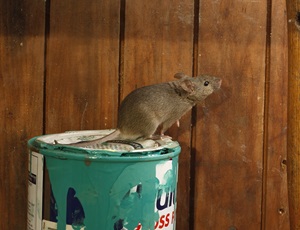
[112,186]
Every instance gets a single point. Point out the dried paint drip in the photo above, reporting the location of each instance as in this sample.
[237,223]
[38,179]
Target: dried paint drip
[132,195]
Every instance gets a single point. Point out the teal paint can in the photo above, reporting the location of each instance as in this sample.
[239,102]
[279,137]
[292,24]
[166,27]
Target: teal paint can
[113,186]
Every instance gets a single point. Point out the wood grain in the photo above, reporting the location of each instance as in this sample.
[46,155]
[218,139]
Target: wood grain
[82,58]
[68,67]
[159,43]
[275,212]
[21,104]
[293,146]
[228,139]
[82,65]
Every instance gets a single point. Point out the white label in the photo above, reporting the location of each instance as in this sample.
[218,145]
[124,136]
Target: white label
[165,203]
[35,191]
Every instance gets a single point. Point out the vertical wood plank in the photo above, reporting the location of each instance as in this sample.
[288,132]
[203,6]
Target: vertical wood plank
[276,197]
[229,136]
[82,65]
[21,104]
[158,43]
[82,73]
[293,145]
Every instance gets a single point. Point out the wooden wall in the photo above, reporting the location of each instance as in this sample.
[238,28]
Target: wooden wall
[66,65]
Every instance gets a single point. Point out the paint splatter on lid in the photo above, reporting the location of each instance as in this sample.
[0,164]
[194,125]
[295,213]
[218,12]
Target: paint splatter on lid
[71,137]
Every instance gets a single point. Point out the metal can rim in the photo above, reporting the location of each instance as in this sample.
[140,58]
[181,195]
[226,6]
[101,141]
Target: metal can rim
[74,153]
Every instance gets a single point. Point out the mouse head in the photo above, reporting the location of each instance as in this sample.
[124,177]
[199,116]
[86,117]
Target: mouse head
[198,88]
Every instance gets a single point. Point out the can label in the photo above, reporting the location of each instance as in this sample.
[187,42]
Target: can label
[35,191]
[165,201]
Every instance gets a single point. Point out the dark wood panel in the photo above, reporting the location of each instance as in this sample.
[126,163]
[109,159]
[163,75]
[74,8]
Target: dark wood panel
[21,104]
[158,43]
[228,139]
[83,91]
[276,199]
[82,65]
[293,146]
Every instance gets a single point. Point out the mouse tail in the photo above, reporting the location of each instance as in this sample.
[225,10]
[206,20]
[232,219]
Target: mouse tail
[111,136]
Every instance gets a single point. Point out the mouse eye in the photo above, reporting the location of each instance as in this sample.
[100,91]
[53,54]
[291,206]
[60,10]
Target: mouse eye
[206,83]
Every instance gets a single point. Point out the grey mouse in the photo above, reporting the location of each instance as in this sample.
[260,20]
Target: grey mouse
[159,105]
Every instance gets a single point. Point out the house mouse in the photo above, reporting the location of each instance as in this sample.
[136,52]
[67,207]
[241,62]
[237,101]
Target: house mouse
[159,105]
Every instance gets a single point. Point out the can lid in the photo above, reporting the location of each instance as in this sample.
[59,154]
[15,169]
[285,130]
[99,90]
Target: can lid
[111,148]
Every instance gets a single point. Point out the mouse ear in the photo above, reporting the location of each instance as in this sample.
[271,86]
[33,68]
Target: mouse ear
[188,86]
[180,75]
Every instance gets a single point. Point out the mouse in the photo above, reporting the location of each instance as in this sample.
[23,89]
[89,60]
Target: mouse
[146,109]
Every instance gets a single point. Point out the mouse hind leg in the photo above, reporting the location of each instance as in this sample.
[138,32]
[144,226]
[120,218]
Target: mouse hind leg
[149,131]
[166,125]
